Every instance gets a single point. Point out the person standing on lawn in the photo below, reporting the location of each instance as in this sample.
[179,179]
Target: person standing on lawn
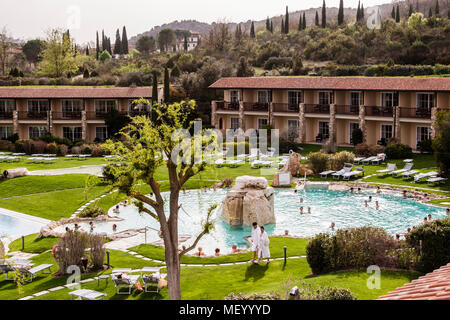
[264,252]
[255,240]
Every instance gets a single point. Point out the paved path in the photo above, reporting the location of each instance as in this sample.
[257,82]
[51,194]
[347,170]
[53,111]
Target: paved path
[95,170]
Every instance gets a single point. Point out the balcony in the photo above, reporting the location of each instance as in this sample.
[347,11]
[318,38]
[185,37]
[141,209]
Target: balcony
[419,113]
[317,108]
[227,106]
[256,106]
[285,107]
[32,115]
[93,115]
[67,115]
[6,115]
[347,110]
[375,111]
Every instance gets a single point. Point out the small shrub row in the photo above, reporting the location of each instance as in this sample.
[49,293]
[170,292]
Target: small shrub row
[321,161]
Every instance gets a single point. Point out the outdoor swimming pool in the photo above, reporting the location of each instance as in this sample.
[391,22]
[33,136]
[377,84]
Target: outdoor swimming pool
[13,226]
[345,209]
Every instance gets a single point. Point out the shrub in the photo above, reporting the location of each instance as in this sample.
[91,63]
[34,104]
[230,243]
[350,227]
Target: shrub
[311,292]
[92,212]
[365,150]
[319,161]
[32,146]
[425,146]
[86,149]
[19,146]
[97,150]
[52,148]
[62,150]
[6,145]
[278,62]
[398,151]
[97,251]
[317,254]
[338,160]
[288,145]
[435,237]
[253,296]
[357,136]
[76,150]
[375,149]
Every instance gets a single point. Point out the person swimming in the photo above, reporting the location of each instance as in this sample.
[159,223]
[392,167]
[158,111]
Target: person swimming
[370,198]
[114,227]
[332,225]
[359,190]
[309,209]
[377,205]
[366,204]
[301,200]
[378,190]
[301,210]
[429,217]
[76,227]
[91,225]
[351,190]
[116,209]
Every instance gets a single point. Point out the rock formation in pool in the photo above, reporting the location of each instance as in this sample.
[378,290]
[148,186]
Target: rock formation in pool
[250,200]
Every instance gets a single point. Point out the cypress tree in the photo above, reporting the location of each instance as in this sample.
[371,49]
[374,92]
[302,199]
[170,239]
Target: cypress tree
[358,12]
[436,11]
[155,88]
[286,22]
[411,10]
[417,6]
[124,41]
[118,43]
[317,19]
[341,13]
[97,48]
[282,25]
[362,11]
[448,11]
[430,13]
[393,12]
[324,15]
[166,85]
[300,23]
[268,24]
[87,50]
[185,44]
[271,26]
[104,46]
[252,30]
[397,14]
[304,20]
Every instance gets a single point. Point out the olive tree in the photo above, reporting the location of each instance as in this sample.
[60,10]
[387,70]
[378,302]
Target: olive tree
[148,143]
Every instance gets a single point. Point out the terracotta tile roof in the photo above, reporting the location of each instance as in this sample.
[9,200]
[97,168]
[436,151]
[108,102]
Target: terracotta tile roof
[341,83]
[74,92]
[433,286]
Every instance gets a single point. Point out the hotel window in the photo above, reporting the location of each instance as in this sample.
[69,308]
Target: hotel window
[263,96]
[356,98]
[423,133]
[386,131]
[262,123]
[7,106]
[324,129]
[389,99]
[5,132]
[72,133]
[425,101]
[36,132]
[325,97]
[234,96]
[292,128]
[353,127]
[104,106]
[38,106]
[101,133]
[72,105]
[294,99]
[234,123]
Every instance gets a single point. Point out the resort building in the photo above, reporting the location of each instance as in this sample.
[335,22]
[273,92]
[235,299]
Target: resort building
[67,112]
[314,109]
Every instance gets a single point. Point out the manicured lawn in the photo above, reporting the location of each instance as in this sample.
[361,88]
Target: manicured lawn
[295,247]
[33,244]
[59,164]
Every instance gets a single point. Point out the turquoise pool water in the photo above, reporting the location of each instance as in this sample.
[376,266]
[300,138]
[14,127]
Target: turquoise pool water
[395,214]
[15,227]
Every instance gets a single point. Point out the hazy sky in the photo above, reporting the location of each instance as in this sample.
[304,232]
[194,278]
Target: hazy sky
[27,19]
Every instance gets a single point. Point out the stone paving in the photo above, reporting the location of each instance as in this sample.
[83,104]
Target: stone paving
[95,170]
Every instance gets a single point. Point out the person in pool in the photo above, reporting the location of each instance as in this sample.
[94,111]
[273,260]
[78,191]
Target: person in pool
[295,191]
[309,209]
[91,225]
[378,190]
[68,229]
[447,211]
[301,210]
[234,249]
[116,209]
[200,252]
[370,198]
[301,200]
[359,190]
[425,220]
[217,252]
[377,205]
[114,227]
[332,226]
[76,227]
[366,204]
[429,217]
[351,190]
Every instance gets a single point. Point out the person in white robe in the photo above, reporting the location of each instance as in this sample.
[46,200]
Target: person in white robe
[263,245]
[255,240]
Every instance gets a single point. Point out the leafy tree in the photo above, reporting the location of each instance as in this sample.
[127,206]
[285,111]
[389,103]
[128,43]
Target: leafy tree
[441,143]
[166,85]
[146,45]
[115,121]
[32,50]
[166,38]
[159,136]
[244,69]
[118,43]
[286,21]
[341,12]
[252,30]
[59,56]
[324,15]
[124,41]
[104,56]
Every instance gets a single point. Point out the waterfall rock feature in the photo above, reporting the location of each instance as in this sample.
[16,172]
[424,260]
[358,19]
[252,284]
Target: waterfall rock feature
[250,200]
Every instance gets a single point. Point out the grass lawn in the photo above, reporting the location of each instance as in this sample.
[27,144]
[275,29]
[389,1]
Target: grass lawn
[59,164]
[33,244]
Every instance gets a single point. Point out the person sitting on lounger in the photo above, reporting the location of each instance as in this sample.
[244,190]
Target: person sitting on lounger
[200,252]
[217,252]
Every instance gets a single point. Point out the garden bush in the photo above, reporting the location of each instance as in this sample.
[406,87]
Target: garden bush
[365,150]
[234,147]
[75,150]
[6,145]
[398,151]
[51,148]
[319,161]
[278,62]
[317,254]
[34,146]
[86,149]
[425,146]
[92,212]
[253,296]
[338,160]
[308,291]
[62,150]
[375,149]
[435,238]
[97,251]
[19,146]
[288,145]
[97,150]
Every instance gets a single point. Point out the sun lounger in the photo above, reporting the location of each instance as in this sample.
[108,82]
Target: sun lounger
[348,175]
[326,173]
[368,160]
[87,294]
[407,175]
[233,163]
[421,176]
[358,160]
[347,168]
[50,160]
[256,164]
[436,180]
[150,277]
[32,273]
[408,166]
[124,281]
[70,156]
[219,163]
[379,158]
[391,167]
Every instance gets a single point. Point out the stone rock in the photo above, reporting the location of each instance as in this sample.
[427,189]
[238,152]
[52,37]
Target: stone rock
[292,166]
[250,200]
[15,173]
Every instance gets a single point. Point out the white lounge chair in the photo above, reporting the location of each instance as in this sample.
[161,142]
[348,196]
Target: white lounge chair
[379,158]
[407,175]
[358,160]
[436,180]
[368,160]
[122,281]
[326,173]
[391,167]
[421,176]
[256,164]
[219,163]
[347,168]
[32,273]
[150,276]
[408,166]
[87,294]
[348,175]
[233,163]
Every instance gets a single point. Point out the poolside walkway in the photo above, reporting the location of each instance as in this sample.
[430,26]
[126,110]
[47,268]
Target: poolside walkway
[95,170]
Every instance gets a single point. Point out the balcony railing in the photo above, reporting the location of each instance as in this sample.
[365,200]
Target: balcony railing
[256,106]
[227,106]
[285,107]
[93,115]
[32,115]
[67,115]
[379,111]
[317,108]
[422,113]
[6,115]
[346,109]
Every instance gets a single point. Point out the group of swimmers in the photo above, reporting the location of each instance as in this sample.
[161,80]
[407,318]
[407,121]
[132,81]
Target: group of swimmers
[217,253]
[77,227]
